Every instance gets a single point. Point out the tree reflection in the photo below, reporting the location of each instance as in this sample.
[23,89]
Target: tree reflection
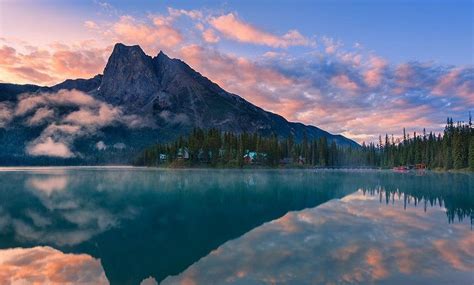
[450,192]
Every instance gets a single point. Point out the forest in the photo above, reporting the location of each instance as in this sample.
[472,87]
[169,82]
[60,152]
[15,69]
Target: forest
[453,149]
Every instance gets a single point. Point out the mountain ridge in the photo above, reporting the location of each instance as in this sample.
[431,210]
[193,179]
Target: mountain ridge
[174,97]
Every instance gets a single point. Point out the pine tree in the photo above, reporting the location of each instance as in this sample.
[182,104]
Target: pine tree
[471,154]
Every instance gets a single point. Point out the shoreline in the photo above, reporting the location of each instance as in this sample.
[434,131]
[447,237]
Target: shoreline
[124,167]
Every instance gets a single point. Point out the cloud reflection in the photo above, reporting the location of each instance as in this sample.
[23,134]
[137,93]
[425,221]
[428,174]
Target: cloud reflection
[45,265]
[48,184]
[353,240]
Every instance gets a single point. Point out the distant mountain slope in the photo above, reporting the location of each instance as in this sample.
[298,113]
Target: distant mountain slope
[151,98]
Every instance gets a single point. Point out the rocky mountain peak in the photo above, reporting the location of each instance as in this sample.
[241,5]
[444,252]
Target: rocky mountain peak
[129,77]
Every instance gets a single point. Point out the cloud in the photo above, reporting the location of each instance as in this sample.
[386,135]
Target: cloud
[6,114]
[360,96]
[343,88]
[56,62]
[49,147]
[84,116]
[234,28]
[78,63]
[193,14]
[373,77]
[103,116]
[210,36]
[28,102]
[45,265]
[90,25]
[240,75]
[7,55]
[179,118]
[41,116]
[331,45]
[342,81]
[150,36]
[30,74]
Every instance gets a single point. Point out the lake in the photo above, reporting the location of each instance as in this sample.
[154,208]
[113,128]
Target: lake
[122,225]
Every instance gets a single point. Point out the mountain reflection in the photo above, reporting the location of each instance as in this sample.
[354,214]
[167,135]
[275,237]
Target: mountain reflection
[146,222]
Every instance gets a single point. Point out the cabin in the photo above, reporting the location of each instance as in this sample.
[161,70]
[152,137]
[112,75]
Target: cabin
[252,157]
[183,153]
[301,160]
[222,152]
[420,166]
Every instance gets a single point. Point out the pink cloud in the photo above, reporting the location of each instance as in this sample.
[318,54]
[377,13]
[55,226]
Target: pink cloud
[48,66]
[78,63]
[7,55]
[30,74]
[233,28]
[6,114]
[342,81]
[41,115]
[453,83]
[91,25]
[29,102]
[239,75]
[331,45]
[150,36]
[104,116]
[209,36]
[373,77]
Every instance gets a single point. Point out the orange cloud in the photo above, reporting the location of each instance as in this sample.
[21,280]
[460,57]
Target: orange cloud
[78,63]
[49,66]
[150,36]
[7,55]
[233,28]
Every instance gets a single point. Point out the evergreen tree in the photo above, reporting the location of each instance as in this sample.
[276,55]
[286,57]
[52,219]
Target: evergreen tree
[471,154]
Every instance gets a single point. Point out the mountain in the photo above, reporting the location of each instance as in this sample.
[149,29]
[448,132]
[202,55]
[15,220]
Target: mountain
[139,100]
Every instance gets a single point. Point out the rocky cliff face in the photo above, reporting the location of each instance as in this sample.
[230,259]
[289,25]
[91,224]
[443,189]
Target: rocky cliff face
[172,97]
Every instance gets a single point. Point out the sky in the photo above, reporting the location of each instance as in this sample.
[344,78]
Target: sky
[360,68]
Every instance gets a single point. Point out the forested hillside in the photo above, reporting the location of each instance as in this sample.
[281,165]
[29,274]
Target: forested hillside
[454,149]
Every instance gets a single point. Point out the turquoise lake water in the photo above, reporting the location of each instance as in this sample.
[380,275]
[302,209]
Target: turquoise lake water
[121,225]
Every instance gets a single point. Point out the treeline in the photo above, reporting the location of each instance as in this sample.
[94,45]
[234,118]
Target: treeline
[454,149]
